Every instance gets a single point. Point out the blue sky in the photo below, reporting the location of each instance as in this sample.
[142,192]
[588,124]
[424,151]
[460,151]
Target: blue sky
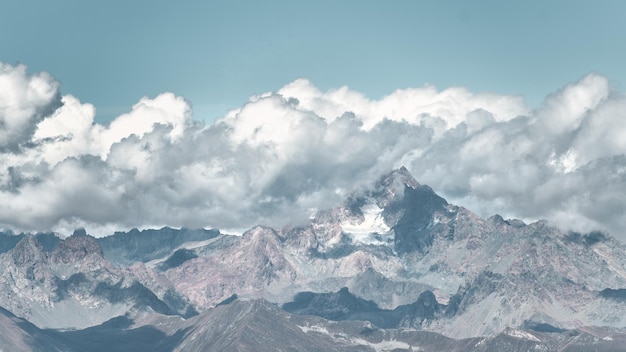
[140,160]
[218,53]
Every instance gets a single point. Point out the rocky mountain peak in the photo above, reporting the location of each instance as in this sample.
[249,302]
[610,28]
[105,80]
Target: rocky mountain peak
[397,211]
[259,232]
[404,176]
[28,251]
[391,186]
[77,247]
[79,232]
[410,209]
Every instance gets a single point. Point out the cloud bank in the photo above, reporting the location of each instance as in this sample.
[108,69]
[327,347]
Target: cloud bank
[284,154]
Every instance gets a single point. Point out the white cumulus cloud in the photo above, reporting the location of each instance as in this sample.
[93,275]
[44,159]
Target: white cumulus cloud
[24,101]
[284,153]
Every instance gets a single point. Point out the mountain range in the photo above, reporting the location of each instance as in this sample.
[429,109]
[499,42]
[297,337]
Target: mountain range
[395,267]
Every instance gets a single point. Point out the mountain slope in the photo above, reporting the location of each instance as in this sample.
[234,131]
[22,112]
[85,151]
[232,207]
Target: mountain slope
[71,285]
[19,335]
[257,325]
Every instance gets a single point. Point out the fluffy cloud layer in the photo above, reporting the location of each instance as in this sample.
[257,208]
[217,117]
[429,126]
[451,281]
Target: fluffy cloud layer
[284,154]
[24,101]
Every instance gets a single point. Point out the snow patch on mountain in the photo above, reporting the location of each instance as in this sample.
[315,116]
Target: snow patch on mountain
[381,346]
[371,230]
[385,345]
[521,335]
